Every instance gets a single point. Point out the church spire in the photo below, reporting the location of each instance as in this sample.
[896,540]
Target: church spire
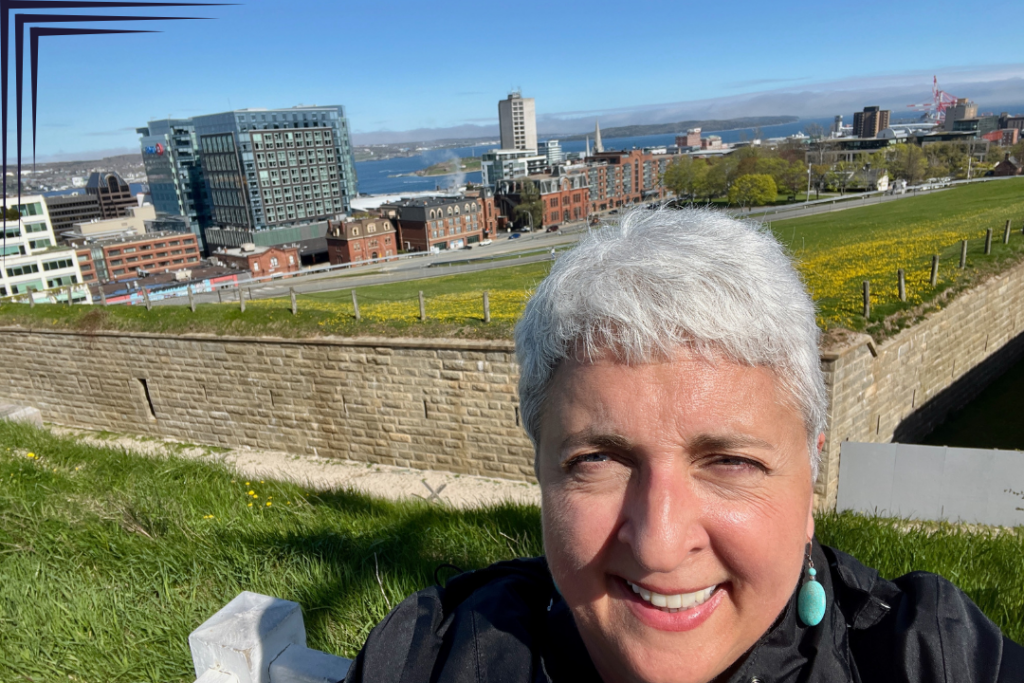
[598,147]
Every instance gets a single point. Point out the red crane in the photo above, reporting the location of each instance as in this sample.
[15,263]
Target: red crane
[935,111]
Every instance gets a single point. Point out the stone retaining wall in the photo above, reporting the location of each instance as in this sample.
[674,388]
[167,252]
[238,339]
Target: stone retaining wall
[453,405]
[411,403]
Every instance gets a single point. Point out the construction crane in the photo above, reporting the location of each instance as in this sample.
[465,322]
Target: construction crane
[935,111]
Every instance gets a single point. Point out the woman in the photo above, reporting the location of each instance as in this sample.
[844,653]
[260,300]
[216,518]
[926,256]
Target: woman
[671,386]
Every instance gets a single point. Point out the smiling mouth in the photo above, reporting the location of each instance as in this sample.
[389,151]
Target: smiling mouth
[673,603]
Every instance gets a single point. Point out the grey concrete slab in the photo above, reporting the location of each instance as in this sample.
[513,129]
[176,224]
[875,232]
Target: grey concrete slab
[917,481]
[865,476]
[966,486]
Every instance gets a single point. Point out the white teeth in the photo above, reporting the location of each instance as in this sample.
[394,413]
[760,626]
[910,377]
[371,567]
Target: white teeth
[674,603]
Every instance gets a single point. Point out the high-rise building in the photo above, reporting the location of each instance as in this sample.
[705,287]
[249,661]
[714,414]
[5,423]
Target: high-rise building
[867,123]
[67,209]
[506,164]
[260,168]
[174,170]
[112,192]
[552,150]
[963,109]
[517,121]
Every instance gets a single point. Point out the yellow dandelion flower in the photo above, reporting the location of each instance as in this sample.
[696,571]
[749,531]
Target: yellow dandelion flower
[252,493]
[246,483]
[269,503]
[30,455]
[250,504]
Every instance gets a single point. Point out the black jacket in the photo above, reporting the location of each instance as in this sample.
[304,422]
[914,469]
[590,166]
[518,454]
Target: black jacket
[507,624]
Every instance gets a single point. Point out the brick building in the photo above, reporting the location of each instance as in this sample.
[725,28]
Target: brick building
[867,123]
[112,192]
[361,239]
[261,261]
[436,222]
[121,258]
[565,195]
[488,218]
[619,179]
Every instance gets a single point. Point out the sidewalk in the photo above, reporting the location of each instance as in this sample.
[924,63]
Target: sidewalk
[328,474]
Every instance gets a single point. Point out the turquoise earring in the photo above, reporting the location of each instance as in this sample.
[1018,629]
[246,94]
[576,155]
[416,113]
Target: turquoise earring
[811,600]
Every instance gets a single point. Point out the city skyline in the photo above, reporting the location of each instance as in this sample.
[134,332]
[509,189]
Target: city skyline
[210,67]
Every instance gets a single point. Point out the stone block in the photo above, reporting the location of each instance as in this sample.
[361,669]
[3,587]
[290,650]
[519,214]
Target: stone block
[16,413]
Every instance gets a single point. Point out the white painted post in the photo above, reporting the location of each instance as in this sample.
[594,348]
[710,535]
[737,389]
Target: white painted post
[259,639]
[191,299]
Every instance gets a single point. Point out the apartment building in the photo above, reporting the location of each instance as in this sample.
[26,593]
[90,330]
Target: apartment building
[436,222]
[361,239]
[130,256]
[517,122]
[32,263]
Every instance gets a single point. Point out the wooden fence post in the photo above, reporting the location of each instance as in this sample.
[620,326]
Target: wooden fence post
[988,241]
[487,308]
[1006,233]
[31,298]
[423,308]
[241,299]
[220,299]
[355,304]
[295,304]
[250,293]
[867,299]
[145,295]
[935,269]
[901,284]
[963,253]
[103,296]
[69,295]
[191,299]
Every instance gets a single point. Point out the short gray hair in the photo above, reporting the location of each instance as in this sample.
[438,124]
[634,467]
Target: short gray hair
[662,279]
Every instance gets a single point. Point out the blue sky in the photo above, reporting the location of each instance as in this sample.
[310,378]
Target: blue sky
[400,65]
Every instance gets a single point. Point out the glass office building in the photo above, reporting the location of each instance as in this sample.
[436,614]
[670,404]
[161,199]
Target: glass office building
[174,170]
[269,168]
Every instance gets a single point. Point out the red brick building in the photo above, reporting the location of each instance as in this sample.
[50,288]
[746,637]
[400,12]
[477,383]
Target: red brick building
[565,195]
[121,258]
[437,222]
[484,196]
[362,239]
[619,179]
[261,261]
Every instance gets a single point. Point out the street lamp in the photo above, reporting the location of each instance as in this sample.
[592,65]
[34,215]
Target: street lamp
[807,197]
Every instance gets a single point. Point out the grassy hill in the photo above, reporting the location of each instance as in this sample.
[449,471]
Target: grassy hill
[836,252]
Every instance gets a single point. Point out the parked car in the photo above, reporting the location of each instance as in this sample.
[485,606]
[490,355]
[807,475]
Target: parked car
[468,246]
[484,243]
[514,236]
[552,228]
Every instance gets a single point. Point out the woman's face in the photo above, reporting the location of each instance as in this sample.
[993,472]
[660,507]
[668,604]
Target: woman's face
[676,505]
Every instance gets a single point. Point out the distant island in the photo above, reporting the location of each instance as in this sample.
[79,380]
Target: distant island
[707,126]
[446,167]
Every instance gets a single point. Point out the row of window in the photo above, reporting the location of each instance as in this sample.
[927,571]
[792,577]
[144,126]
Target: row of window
[299,175]
[162,264]
[147,247]
[218,143]
[300,158]
[452,221]
[292,139]
[441,232]
[469,208]
[273,263]
[299,193]
[58,264]
[221,162]
[28,228]
[289,212]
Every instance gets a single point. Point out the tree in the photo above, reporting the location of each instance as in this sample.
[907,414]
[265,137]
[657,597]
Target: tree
[814,131]
[756,189]
[11,214]
[909,163]
[530,203]
[685,176]
[715,182]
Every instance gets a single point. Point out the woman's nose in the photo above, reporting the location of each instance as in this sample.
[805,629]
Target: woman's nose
[664,522]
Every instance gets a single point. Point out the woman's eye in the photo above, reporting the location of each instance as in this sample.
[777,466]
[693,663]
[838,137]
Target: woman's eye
[588,458]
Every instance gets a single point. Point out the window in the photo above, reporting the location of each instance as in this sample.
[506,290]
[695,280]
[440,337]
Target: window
[116,262]
[35,227]
[132,259]
[255,267]
[57,264]
[39,244]
[146,247]
[129,250]
[13,250]
[12,231]
[114,252]
[291,260]
[119,271]
[62,281]
[273,262]
[24,269]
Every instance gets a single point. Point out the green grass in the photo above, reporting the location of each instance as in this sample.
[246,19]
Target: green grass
[836,253]
[839,250]
[109,560]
